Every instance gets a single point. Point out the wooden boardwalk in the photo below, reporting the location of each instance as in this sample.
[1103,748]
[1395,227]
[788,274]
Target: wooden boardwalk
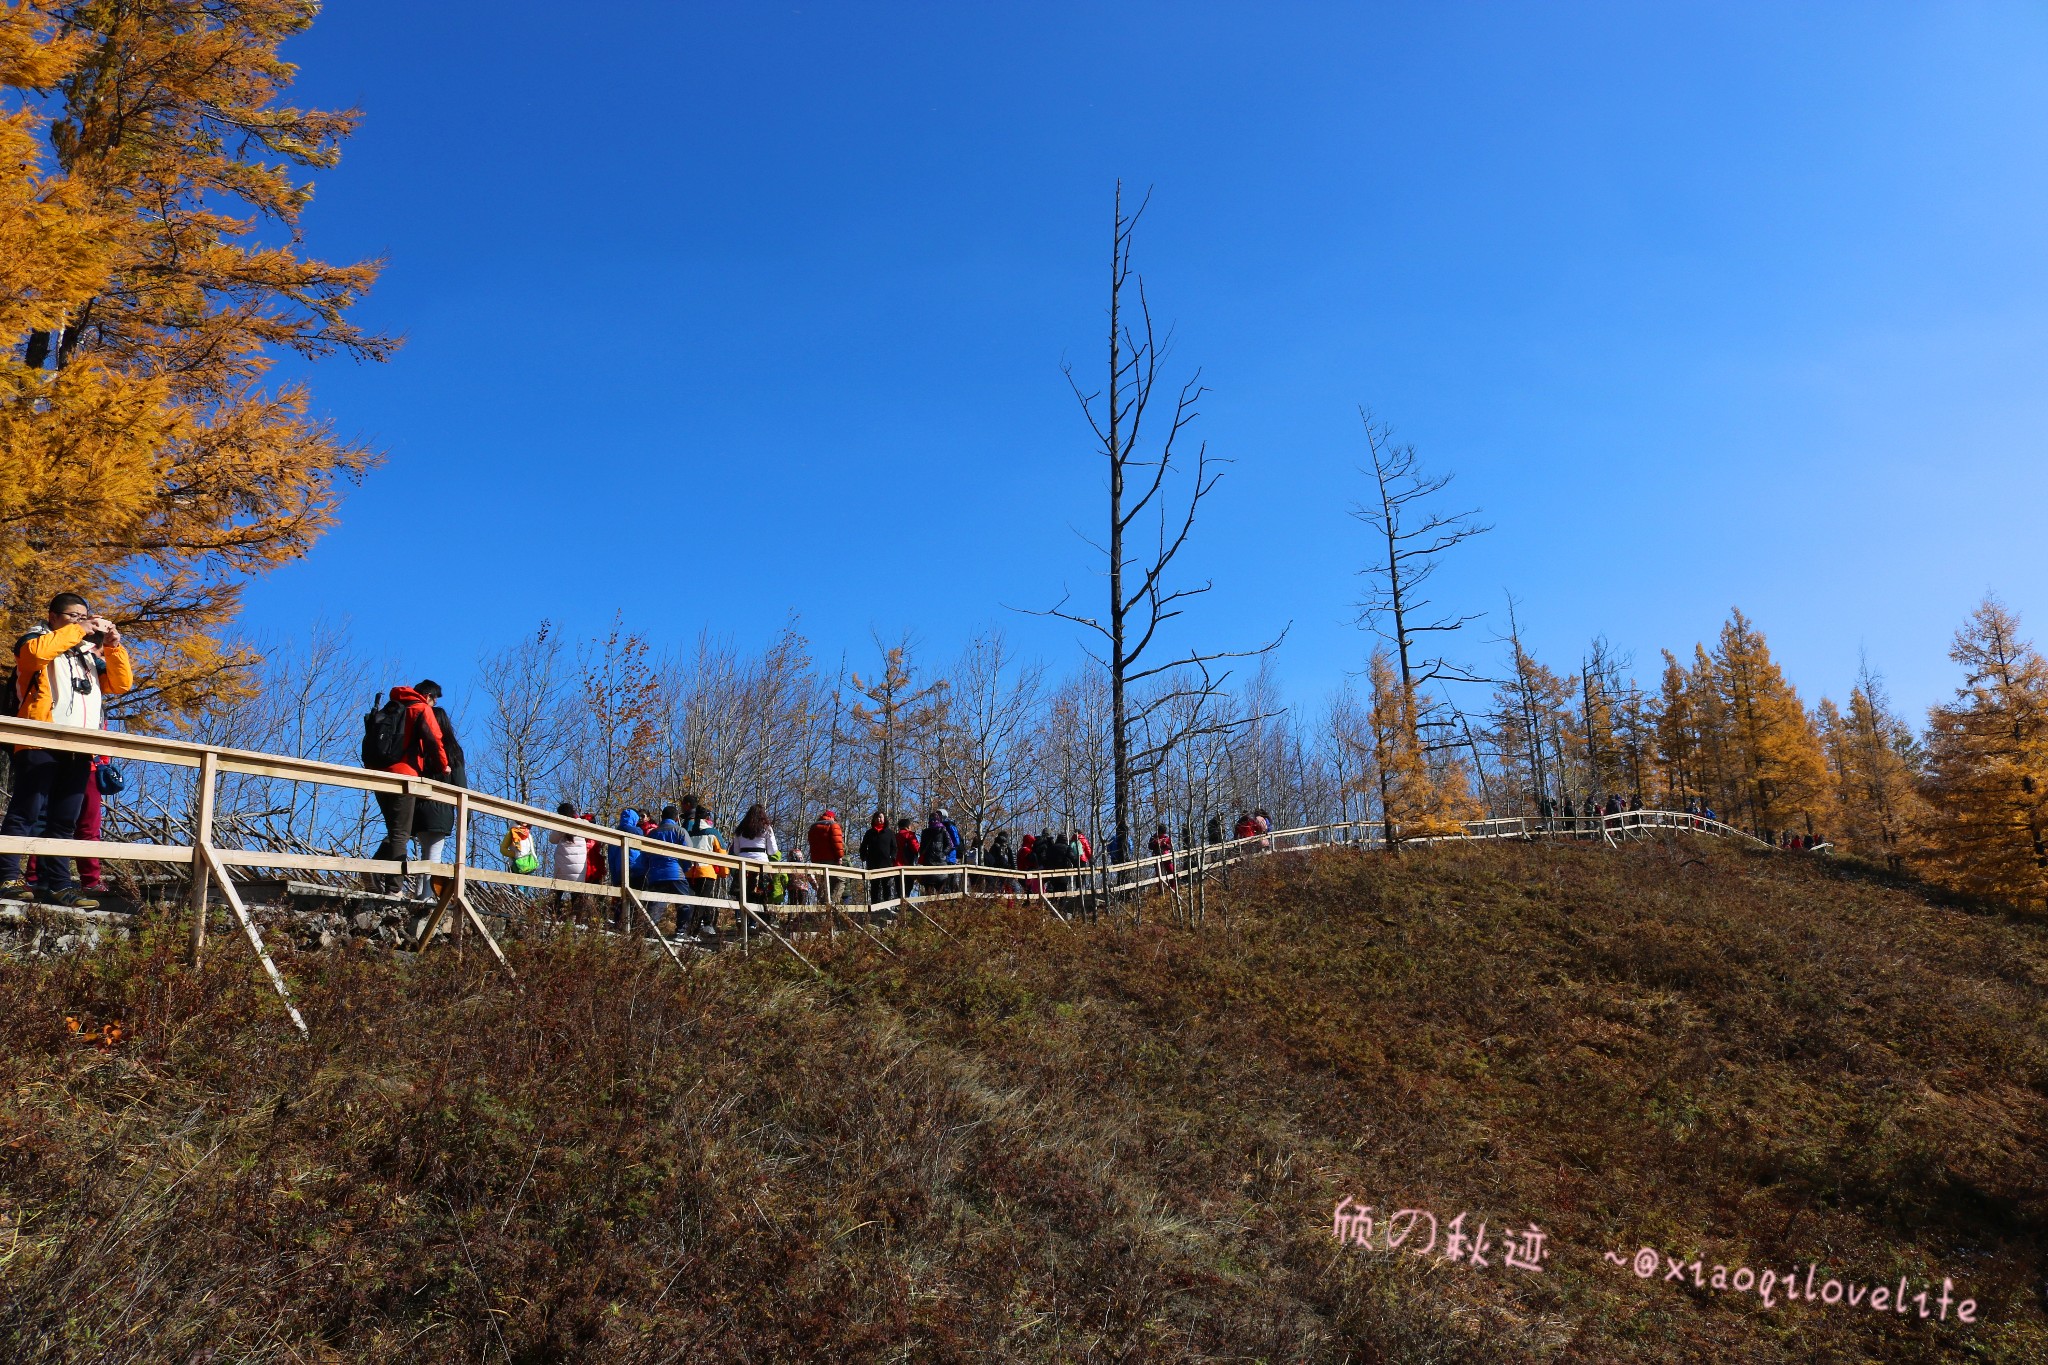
[848,897]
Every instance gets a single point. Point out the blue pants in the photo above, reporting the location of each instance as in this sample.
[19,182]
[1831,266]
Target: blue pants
[49,792]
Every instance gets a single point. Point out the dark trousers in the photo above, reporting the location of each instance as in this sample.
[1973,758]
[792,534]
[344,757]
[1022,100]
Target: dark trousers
[49,792]
[399,812]
[667,887]
[704,916]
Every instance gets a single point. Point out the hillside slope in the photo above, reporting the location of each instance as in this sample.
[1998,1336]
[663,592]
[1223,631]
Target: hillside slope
[1036,1141]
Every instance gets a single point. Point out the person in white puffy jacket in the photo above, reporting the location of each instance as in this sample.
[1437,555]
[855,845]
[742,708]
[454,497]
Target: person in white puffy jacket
[572,854]
[754,839]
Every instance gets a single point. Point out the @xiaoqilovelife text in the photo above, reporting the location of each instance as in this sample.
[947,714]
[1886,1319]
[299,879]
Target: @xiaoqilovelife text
[1354,1224]
[1648,1262]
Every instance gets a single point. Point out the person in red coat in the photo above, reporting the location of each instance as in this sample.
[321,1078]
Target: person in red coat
[828,840]
[906,851]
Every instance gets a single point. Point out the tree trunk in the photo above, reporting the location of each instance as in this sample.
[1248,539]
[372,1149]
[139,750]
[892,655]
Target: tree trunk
[1120,744]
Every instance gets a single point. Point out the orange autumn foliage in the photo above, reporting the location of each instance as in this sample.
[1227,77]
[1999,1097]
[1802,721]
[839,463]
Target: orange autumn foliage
[1421,793]
[144,460]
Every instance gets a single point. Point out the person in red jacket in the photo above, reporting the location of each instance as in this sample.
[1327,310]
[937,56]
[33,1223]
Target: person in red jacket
[828,840]
[906,852]
[1160,846]
[827,846]
[422,753]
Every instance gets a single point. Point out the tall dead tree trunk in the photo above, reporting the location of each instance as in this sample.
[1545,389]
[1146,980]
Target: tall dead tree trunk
[1411,537]
[1141,489]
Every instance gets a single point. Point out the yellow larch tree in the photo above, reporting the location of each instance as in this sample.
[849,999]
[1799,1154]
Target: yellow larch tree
[1420,794]
[1873,760]
[148,463]
[1775,772]
[1720,787]
[78,446]
[1608,727]
[1676,723]
[1531,711]
[1987,757]
[891,717]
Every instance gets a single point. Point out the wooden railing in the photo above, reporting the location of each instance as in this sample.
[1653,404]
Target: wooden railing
[839,889]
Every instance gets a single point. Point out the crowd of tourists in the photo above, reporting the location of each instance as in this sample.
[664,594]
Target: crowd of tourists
[66,668]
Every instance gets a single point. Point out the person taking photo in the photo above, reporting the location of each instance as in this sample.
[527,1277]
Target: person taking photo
[57,678]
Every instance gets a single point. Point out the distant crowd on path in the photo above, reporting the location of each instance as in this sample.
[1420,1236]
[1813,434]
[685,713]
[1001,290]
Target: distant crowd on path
[1590,807]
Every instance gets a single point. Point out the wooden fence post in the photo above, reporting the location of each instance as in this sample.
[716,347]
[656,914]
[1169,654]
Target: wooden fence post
[461,859]
[202,835]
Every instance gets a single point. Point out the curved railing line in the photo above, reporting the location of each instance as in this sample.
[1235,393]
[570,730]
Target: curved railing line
[212,864]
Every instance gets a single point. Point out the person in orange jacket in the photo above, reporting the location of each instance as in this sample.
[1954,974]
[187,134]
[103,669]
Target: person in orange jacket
[57,679]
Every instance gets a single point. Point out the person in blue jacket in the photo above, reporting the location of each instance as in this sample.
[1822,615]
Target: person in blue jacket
[629,819]
[666,874]
[942,843]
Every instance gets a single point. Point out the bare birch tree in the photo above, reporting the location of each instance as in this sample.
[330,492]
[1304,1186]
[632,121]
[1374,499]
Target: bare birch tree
[526,741]
[993,701]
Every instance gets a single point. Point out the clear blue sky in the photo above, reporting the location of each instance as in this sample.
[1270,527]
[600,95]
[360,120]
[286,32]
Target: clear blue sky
[717,312]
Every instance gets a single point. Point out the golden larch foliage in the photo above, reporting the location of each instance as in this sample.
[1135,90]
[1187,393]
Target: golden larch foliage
[1531,715]
[1770,755]
[146,463]
[1679,756]
[1873,760]
[1420,795]
[1987,759]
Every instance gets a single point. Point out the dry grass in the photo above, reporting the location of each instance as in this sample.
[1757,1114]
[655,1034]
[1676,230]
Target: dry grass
[1042,1142]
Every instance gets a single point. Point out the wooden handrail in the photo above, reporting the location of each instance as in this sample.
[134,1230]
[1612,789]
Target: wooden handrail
[184,753]
[211,865]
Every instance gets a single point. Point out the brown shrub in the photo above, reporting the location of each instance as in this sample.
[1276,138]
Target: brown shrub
[1037,1141]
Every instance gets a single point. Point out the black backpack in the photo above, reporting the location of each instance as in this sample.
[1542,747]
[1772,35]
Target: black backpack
[10,705]
[384,734]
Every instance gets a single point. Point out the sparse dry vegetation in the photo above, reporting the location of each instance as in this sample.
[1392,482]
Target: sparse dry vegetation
[1052,1142]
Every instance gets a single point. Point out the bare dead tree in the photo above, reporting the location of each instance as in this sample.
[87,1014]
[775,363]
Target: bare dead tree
[1525,704]
[1151,515]
[1412,536]
[993,699]
[526,733]
[891,716]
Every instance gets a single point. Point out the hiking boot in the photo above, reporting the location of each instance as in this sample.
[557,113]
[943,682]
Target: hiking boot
[70,898]
[14,889]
